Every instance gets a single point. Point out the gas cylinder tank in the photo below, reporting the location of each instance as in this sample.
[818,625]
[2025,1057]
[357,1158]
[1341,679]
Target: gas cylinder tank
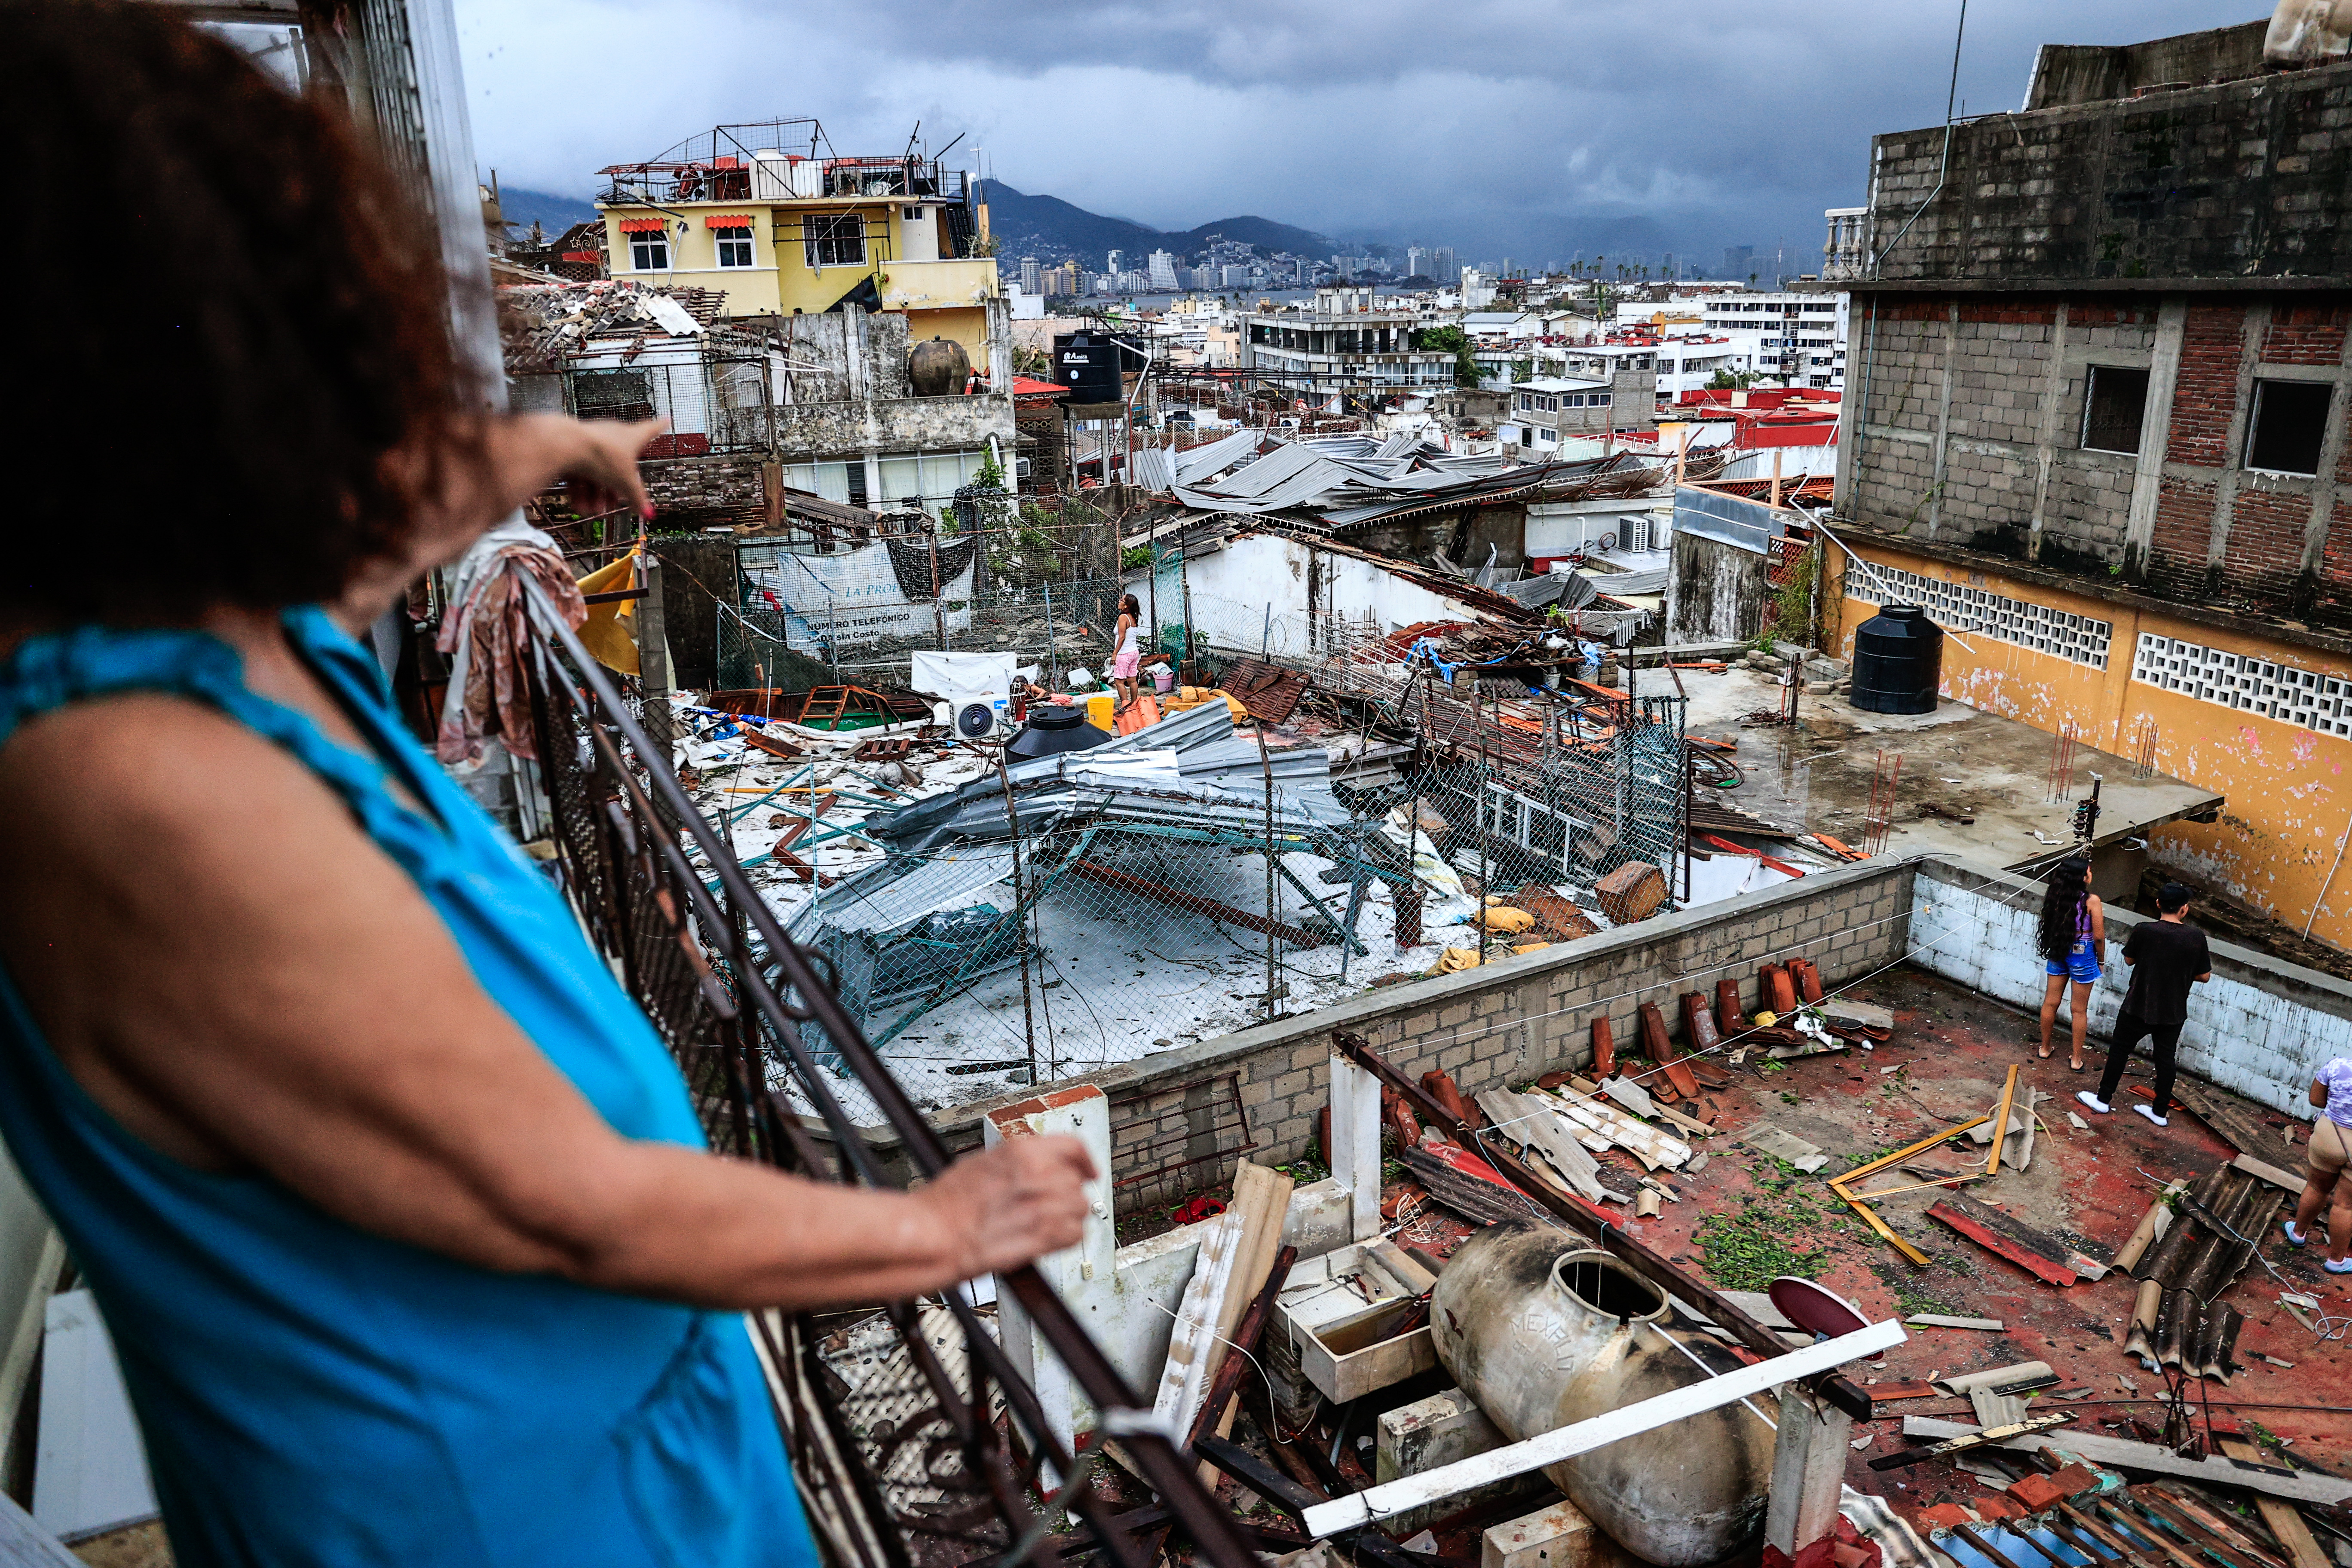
[1543,1334]
[937,368]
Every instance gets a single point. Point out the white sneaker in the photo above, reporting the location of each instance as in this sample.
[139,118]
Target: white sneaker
[2149,1111]
[2093,1101]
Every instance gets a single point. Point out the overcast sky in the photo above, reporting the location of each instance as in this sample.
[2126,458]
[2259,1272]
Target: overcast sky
[1489,124]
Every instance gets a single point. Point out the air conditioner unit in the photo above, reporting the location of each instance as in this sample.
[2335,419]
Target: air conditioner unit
[971,715]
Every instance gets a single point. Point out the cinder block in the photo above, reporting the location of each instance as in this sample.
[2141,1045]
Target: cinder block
[1556,1537]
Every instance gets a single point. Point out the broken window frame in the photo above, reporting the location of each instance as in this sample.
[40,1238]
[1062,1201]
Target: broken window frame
[734,247]
[2267,442]
[649,250]
[826,238]
[2094,426]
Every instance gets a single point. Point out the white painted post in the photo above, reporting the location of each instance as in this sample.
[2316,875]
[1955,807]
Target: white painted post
[1085,1276]
[1809,1460]
[1355,1144]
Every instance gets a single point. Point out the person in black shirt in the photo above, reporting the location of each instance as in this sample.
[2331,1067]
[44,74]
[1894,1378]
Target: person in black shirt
[2166,956]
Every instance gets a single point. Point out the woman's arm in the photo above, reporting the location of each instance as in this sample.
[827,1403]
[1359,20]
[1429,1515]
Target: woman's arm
[520,456]
[2319,1094]
[228,967]
[2098,914]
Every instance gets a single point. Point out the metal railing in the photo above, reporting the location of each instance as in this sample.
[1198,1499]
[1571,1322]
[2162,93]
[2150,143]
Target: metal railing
[925,1458]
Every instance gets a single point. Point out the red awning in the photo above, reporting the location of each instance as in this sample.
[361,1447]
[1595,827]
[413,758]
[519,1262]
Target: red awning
[729,220]
[642,224]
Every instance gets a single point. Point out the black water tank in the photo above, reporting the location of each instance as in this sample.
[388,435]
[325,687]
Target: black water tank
[1055,727]
[1087,363]
[1898,658]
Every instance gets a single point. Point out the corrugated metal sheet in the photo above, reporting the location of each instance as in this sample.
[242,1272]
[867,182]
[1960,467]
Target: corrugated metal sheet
[897,893]
[1153,468]
[1205,462]
[1728,519]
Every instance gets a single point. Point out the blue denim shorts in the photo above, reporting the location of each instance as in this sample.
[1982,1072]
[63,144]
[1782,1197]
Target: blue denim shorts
[2082,966]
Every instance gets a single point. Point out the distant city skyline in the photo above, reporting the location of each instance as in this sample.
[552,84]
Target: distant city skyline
[1501,131]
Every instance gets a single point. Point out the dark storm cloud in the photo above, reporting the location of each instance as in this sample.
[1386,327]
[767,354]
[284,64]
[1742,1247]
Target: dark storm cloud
[1501,126]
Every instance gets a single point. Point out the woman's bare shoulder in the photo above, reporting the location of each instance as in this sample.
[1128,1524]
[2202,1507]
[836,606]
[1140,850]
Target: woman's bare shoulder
[127,782]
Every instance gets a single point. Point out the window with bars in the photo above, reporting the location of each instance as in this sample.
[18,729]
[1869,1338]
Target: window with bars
[2114,397]
[835,240]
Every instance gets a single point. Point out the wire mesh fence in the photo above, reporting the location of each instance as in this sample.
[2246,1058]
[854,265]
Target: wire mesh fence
[990,923]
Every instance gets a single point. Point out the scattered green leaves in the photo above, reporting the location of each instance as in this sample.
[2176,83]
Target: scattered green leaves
[1749,1249]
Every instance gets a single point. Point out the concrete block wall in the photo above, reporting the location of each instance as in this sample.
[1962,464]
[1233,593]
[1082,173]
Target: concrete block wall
[2245,178]
[1504,1022]
[2260,1027]
[1972,419]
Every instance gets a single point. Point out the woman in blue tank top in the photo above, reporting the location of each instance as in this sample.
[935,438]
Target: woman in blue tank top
[397,1210]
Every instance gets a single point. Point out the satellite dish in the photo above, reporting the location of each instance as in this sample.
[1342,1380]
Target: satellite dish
[1824,1314]
[974,720]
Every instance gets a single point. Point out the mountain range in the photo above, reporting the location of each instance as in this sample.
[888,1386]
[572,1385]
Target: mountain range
[1023,224]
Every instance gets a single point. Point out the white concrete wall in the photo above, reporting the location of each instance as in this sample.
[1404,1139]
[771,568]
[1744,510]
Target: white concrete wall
[1233,588]
[2260,1027]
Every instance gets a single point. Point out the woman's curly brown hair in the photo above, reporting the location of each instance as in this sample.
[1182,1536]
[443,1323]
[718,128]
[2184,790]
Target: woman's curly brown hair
[226,315]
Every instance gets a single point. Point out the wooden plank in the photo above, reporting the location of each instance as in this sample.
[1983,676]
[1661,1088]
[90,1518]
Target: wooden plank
[2262,1170]
[1961,1445]
[2286,1525]
[1938,1320]
[2120,1453]
[2000,1122]
[24,1544]
[1847,1178]
[1379,1502]
[2047,1248]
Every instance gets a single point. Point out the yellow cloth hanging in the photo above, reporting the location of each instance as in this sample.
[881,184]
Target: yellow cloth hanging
[609,630]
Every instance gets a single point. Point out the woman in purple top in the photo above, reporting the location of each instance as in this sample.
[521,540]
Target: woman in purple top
[2331,1145]
[2071,935]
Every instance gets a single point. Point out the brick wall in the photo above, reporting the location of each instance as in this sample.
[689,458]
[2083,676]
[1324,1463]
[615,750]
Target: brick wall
[1509,1021]
[2305,334]
[2206,396]
[2265,546]
[2184,526]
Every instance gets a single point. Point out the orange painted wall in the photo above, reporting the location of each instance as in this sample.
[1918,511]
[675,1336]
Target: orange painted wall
[2288,790]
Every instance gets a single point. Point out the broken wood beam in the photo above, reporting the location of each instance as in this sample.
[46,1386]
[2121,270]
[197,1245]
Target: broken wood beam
[2286,1526]
[2000,1123]
[1965,1441]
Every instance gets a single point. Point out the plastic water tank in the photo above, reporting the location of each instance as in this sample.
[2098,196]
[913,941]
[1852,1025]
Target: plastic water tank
[1088,364]
[1899,659]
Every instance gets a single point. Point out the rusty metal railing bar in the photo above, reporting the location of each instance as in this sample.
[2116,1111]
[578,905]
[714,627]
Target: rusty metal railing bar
[1155,1452]
[708,916]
